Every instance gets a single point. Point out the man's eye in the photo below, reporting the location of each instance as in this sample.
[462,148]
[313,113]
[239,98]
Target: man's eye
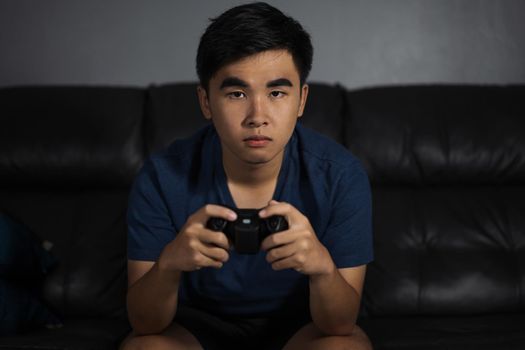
[236,94]
[277,94]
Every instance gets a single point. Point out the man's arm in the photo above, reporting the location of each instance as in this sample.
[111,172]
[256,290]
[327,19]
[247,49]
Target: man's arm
[153,287]
[335,294]
[152,296]
[335,299]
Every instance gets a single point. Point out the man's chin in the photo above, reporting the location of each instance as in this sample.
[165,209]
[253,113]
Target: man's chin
[257,159]
[256,162]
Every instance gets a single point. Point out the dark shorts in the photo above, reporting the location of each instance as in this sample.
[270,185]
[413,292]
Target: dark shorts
[227,332]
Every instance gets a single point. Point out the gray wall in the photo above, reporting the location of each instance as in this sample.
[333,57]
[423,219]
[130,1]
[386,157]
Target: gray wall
[357,42]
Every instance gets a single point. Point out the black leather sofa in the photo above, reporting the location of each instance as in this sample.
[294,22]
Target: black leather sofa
[446,163]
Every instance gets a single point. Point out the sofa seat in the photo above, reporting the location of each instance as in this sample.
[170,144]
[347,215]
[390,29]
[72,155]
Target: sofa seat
[76,334]
[502,331]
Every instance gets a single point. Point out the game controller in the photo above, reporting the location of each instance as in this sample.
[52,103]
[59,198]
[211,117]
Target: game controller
[248,230]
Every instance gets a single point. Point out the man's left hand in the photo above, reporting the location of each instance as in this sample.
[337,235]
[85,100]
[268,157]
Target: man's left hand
[298,247]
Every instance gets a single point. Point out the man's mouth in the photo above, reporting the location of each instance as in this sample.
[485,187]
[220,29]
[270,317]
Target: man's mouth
[257,140]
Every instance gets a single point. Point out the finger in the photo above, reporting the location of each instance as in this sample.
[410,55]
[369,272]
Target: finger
[215,253]
[280,253]
[216,238]
[278,239]
[276,208]
[212,210]
[290,262]
[211,263]
[205,261]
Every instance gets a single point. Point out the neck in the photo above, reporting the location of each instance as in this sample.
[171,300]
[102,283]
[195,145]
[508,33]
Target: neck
[249,174]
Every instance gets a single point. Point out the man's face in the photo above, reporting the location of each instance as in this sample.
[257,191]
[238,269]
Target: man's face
[254,104]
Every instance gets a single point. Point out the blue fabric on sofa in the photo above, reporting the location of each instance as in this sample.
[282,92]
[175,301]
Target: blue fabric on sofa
[23,264]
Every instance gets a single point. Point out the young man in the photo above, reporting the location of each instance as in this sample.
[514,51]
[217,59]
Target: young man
[188,289]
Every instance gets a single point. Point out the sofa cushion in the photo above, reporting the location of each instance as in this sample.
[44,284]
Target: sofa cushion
[439,134]
[447,251]
[483,332]
[23,265]
[447,166]
[173,112]
[324,110]
[88,230]
[70,136]
[76,334]
[22,255]
[21,309]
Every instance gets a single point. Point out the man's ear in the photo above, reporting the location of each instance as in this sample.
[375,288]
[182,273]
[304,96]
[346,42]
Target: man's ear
[302,103]
[204,102]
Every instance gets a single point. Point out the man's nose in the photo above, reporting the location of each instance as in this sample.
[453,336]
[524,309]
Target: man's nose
[256,116]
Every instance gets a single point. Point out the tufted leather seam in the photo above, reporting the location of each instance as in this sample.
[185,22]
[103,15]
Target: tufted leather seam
[515,254]
[414,228]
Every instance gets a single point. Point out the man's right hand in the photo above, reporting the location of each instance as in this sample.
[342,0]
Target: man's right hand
[195,246]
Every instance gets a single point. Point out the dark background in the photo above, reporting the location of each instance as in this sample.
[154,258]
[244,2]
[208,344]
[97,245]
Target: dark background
[358,42]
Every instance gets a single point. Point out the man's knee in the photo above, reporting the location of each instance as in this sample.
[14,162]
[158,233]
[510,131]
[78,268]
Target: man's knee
[173,338]
[360,339]
[310,337]
[141,342]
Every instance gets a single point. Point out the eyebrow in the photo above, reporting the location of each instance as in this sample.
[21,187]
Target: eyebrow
[234,81]
[279,82]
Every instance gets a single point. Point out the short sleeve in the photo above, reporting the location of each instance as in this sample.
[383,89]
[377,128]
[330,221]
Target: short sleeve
[348,237]
[150,227]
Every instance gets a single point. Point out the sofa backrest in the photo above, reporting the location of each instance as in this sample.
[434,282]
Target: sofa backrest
[447,166]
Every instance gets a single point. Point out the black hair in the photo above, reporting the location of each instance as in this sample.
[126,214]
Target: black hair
[249,29]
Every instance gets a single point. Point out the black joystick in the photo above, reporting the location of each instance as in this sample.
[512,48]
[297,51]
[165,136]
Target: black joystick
[248,230]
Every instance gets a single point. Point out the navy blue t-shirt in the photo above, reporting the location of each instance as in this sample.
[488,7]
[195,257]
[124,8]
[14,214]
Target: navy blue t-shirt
[318,176]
